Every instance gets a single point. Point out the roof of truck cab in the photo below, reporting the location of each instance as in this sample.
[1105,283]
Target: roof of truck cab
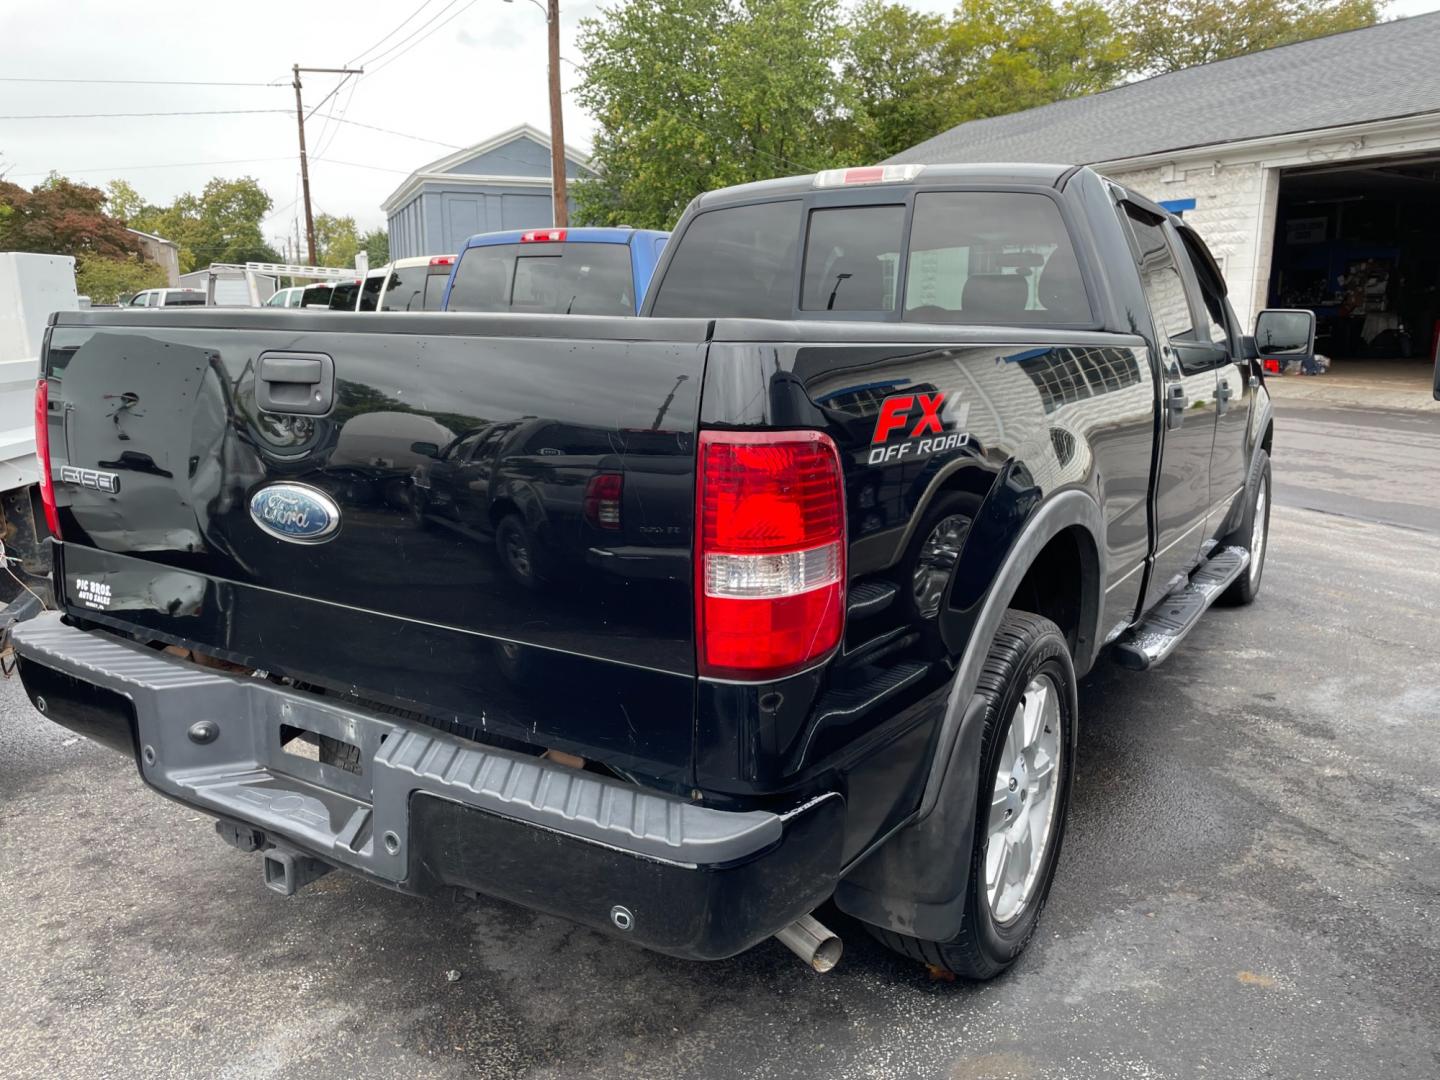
[608,235]
[1001,173]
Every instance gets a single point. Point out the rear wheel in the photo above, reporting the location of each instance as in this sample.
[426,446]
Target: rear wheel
[1024,792]
[1253,534]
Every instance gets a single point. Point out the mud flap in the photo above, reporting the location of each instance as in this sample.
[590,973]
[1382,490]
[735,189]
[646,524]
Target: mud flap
[916,882]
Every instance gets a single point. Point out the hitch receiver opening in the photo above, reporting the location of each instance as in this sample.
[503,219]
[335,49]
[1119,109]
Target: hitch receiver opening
[287,872]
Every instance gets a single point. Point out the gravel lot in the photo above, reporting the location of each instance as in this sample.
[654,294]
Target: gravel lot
[1248,887]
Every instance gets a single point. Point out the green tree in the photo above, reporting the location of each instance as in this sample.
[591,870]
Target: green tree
[899,68]
[337,240]
[124,202]
[695,94]
[221,224]
[109,280]
[61,217]
[1168,35]
[1010,55]
[376,244]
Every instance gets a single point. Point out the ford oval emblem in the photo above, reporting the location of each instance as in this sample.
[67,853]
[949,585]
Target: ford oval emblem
[298,513]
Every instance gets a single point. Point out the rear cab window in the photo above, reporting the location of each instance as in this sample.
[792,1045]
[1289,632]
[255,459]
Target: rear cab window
[972,257]
[342,297]
[734,262]
[370,291]
[576,278]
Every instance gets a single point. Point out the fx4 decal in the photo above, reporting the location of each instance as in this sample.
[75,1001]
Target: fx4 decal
[923,418]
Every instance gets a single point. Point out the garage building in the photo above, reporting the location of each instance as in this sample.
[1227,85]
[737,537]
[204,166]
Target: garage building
[501,183]
[1312,170]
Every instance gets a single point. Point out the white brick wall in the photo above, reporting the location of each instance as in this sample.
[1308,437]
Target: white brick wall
[1235,188]
[1233,205]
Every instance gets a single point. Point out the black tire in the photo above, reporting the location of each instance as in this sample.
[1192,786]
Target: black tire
[515,544]
[1247,586]
[340,754]
[1026,647]
[953,512]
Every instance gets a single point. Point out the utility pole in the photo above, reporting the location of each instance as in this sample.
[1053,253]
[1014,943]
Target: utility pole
[561,212]
[557,120]
[304,164]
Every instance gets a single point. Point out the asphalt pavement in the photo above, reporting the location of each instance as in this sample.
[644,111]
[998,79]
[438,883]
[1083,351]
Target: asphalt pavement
[1248,888]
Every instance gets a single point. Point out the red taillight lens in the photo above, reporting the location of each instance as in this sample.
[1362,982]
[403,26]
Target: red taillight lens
[542,236]
[42,452]
[602,500]
[442,260]
[770,552]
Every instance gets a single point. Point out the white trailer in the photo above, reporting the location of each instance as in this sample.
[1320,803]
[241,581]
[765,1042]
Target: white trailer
[32,287]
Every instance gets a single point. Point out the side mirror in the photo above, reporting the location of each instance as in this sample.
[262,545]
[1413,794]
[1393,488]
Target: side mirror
[425,449]
[1285,334]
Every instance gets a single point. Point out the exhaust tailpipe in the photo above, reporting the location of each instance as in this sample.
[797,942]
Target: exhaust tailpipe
[810,940]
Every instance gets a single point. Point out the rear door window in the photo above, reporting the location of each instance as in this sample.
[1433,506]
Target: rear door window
[566,279]
[852,259]
[736,262]
[1164,287]
[992,257]
[370,292]
[406,289]
[435,282]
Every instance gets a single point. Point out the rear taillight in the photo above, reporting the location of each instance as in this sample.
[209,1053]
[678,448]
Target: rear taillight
[542,236]
[602,500]
[769,553]
[42,452]
[442,260]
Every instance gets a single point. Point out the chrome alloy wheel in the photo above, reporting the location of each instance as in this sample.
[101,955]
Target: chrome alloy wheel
[1257,531]
[1022,808]
[936,560]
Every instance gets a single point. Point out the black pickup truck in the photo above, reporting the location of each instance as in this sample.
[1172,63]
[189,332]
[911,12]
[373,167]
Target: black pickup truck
[774,595]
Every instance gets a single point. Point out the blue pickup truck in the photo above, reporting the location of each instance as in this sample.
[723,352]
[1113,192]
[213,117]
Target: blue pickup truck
[555,271]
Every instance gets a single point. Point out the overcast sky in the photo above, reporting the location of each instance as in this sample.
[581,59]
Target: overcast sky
[456,72]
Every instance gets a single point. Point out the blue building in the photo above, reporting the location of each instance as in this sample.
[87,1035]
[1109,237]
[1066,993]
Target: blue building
[501,183]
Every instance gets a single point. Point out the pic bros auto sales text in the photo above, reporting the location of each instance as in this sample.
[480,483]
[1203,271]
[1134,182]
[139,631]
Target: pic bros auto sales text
[920,420]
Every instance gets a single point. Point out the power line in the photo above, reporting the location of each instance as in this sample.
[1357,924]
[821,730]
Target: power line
[364,52]
[392,131]
[116,115]
[418,30]
[362,165]
[322,144]
[381,66]
[134,82]
[169,165]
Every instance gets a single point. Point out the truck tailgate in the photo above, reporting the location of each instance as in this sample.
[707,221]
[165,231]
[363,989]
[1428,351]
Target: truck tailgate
[488,527]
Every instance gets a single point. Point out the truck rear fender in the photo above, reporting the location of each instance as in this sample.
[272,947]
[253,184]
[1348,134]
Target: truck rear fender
[915,881]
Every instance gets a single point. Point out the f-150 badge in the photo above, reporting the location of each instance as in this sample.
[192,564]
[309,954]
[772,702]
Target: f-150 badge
[298,513]
[923,419]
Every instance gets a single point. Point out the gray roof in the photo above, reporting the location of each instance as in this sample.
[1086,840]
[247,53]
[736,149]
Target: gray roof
[1383,71]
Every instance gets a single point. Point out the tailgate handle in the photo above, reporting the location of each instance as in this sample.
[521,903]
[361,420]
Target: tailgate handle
[300,384]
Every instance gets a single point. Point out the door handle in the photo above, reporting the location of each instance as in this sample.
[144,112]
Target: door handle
[1223,394]
[1175,405]
[299,384]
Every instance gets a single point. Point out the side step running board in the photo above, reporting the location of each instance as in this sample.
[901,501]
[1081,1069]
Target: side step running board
[1166,625]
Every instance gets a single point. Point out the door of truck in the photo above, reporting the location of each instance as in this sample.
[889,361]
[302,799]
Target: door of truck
[1187,407]
[1229,459]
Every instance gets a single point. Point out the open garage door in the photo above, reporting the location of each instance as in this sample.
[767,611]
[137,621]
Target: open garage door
[1359,244]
